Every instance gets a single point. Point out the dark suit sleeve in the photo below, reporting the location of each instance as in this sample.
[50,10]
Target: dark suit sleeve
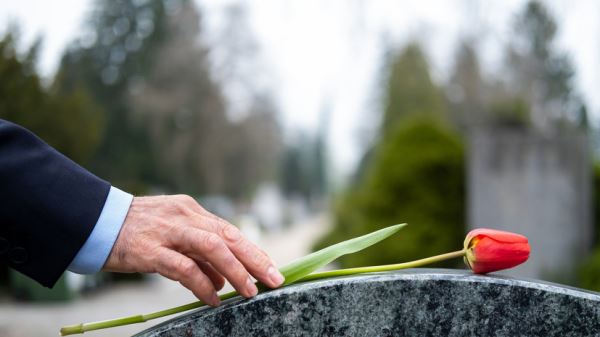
[48,205]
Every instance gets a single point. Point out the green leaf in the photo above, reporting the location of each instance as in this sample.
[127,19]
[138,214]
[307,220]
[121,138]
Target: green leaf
[303,266]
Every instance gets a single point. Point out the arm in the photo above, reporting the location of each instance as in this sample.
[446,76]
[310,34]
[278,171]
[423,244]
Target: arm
[48,205]
[55,214]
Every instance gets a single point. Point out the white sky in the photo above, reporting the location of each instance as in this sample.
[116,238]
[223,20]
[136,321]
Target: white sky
[328,53]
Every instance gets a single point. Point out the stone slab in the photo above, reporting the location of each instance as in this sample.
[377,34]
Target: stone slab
[418,302]
[537,184]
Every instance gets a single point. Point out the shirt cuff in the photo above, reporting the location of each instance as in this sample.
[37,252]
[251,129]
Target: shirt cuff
[94,252]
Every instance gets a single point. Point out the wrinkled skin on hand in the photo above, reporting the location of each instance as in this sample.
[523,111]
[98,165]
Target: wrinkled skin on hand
[177,238]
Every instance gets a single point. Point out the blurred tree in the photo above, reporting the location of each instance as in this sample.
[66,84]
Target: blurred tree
[236,64]
[302,171]
[467,92]
[510,111]
[116,50]
[68,121]
[293,177]
[409,92]
[183,110]
[321,182]
[201,150]
[409,89]
[167,124]
[413,174]
[256,150]
[536,88]
[236,61]
[582,117]
[537,71]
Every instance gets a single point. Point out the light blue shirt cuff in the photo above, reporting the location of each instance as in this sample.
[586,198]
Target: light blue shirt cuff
[94,252]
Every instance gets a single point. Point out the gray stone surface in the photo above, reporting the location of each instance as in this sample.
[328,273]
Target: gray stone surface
[423,302]
[537,184]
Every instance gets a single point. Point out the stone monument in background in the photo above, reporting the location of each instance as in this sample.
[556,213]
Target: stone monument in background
[537,184]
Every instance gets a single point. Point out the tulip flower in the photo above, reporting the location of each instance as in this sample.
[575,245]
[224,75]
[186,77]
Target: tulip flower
[489,250]
[485,250]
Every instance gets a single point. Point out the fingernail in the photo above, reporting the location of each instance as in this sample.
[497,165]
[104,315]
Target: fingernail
[275,276]
[215,300]
[251,288]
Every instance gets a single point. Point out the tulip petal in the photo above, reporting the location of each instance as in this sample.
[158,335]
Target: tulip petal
[498,235]
[489,255]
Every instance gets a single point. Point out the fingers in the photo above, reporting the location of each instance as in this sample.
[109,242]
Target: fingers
[256,261]
[217,279]
[181,268]
[213,249]
[253,258]
[176,237]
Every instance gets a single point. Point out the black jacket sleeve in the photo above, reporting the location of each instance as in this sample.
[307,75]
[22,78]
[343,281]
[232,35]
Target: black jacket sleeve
[48,205]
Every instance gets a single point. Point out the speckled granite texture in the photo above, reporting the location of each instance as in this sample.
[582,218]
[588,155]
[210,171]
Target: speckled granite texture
[423,302]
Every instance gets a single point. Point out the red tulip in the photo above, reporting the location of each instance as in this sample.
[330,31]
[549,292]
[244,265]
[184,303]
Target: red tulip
[489,250]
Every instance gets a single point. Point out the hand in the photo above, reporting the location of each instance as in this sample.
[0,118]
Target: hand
[177,238]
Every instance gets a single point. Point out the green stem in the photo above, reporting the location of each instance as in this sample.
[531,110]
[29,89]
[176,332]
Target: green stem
[84,327]
[387,267]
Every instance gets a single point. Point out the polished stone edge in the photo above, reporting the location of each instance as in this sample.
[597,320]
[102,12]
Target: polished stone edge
[420,274]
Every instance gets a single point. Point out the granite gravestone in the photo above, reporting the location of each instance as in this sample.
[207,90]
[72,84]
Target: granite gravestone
[423,302]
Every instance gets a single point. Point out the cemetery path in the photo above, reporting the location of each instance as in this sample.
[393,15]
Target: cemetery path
[41,320]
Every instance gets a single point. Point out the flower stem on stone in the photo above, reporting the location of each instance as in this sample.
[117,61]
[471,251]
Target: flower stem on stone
[382,268]
[292,272]
[84,327]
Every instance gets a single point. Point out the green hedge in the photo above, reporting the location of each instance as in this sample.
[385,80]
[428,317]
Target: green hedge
[416,175]
[589,272]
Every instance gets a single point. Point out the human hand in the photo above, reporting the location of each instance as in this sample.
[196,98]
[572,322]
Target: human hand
[177,238]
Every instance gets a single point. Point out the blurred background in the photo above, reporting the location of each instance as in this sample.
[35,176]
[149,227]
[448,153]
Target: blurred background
[309,122]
